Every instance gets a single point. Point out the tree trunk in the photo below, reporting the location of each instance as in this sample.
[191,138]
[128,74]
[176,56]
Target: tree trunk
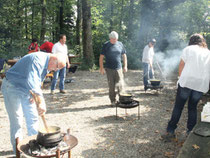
[32,21]
[26,20]
[78,22]
[150,10]
[147,19]
[121,17]
[57,28]
[61,18]
[130,20]
[17,30]
[87,33]
[111,16]
[43,23]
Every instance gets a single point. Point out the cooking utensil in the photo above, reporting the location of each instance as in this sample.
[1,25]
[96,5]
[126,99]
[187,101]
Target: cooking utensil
[38,102]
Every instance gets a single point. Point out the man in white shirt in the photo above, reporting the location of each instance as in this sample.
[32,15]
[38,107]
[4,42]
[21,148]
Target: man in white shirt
[60,47]
[147,60]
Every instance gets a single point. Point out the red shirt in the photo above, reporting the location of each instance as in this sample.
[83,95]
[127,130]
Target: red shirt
[47,47]
[33,46]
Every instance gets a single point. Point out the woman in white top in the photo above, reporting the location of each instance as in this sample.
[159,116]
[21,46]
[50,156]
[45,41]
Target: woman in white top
[194,72]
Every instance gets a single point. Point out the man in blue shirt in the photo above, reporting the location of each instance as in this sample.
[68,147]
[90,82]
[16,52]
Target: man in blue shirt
[113,51]
[27,74]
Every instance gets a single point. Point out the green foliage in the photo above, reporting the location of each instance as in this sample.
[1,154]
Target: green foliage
[173,24]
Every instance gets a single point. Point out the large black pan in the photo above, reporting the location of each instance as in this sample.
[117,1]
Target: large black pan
[155,82]
[125,98]
[50,138]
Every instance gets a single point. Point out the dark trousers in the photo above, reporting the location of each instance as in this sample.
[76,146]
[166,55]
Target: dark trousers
[193,97]
[115,79]
[147,73]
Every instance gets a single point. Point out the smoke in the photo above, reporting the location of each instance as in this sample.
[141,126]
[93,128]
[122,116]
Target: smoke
[167,61]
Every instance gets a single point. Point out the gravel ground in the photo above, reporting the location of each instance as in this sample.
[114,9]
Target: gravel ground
[86,110]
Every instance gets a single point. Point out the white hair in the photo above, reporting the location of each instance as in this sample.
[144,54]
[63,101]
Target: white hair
[113,35]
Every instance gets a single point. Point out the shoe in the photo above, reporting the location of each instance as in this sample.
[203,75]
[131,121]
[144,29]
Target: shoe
[188,133]
[52,92]
[113,103]
[62,91]
[145,88]
[168,137]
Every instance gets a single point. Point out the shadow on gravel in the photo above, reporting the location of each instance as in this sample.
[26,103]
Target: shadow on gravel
[114,119]
[6,153]
[130,137]
[59,110]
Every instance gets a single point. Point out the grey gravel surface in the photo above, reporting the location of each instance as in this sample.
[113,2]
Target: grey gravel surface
[86,110]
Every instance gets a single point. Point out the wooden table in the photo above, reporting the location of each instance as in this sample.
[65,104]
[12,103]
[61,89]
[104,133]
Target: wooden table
[12,62]
[72,56]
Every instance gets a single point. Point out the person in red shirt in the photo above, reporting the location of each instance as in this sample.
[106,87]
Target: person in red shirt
[33,46]
[47,47]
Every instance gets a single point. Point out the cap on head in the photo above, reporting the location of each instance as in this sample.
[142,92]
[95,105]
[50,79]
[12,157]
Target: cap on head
[113,35]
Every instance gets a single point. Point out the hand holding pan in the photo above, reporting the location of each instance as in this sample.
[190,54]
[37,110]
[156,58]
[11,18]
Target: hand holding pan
[38,101]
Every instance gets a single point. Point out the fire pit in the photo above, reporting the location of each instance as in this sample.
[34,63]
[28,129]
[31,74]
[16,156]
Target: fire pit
[127,103]
[31,147]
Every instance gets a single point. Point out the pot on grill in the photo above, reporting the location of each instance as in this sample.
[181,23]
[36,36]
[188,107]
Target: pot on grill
[155,82]
[125,98]
[51,138]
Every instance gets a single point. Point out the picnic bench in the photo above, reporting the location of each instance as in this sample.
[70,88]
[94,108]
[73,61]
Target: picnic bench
[196,146]
[71,57]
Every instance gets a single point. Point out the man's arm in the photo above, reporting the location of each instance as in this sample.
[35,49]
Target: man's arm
[101,64]
[181,66]
[125,69]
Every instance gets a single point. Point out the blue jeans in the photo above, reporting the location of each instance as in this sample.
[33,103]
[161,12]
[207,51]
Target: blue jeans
[147,73]
[62,74]
[193,97]
[18,105]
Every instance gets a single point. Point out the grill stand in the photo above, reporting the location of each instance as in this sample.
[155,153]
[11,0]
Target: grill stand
[117,105]
[157,88]
[21,146]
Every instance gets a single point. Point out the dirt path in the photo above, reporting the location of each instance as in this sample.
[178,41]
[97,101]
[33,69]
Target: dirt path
[85,110]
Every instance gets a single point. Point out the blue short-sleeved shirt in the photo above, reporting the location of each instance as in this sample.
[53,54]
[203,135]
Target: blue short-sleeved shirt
[113,54]
[28,73]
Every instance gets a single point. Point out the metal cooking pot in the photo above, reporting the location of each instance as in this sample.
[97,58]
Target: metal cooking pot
[51,138]
[125,98]
[155,82]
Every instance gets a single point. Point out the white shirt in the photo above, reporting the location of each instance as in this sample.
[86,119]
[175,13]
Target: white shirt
[59,48]
[148,54]
[196,72]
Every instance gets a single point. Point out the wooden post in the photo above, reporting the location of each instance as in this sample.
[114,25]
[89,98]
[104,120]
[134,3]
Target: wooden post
[69,154]
[58,153]
[17,151]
